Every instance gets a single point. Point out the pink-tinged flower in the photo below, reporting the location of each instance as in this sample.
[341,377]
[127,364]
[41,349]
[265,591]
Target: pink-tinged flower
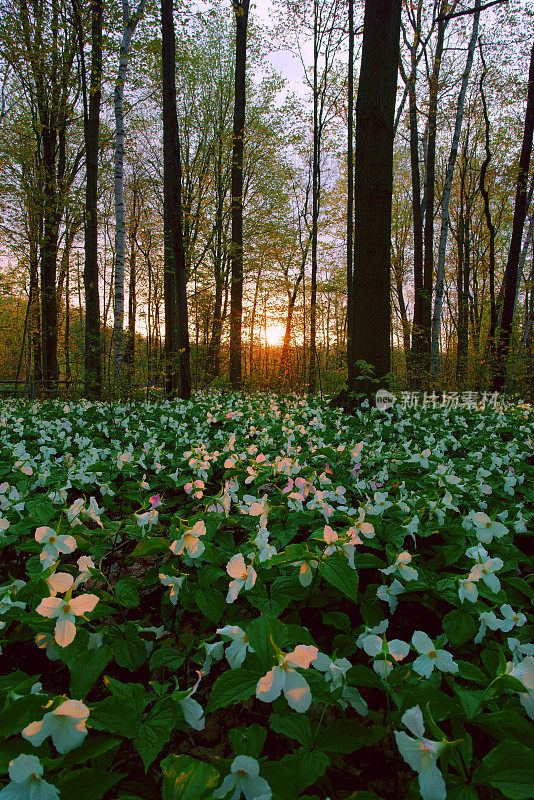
[53,545]
[468,588]
[190,541]
[422,754]
[306,571]
[365,528]
[25,781]
[65,611]
[388,652]
[65,725]
[430,658]
[388,593]
[346,546]
[401,566]
[196,488]
[155,501]
[524,671]
[85,565]
[242,575]
[284,678]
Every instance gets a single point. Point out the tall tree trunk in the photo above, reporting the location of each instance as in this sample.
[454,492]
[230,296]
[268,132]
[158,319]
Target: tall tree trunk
[129,25]
[520,211]
[445,202]
[489,222]
[430,191]
[240,8]
[375,109]
[312,366]
[91,125]
[350,171]
[177,347]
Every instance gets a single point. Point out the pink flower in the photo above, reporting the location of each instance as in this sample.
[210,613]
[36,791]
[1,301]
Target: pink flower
[243,576]
[65,611]
[155,501]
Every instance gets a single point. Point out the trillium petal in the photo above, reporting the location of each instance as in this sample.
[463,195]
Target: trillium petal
[64,632]
[431,784]
[65,544]
[246,764]
[255,788]
[445,662]
[228,783]
[270,686]
[424,665]
[234,589]
[413,719]
[60,582]
[49,606]
[236,567]
[409,749]
[36,733]
[193,713]
[44,533]
[83,604]
[23,766]
[303,655]
[372,645]
[297,692]
[422,642]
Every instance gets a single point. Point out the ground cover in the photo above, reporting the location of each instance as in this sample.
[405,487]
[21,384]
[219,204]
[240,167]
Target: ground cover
[261,597]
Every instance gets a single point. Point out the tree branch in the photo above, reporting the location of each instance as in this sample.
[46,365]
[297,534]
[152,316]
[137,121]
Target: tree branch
[446,17]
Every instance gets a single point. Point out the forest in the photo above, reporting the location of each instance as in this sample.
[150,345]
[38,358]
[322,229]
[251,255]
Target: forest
[266,400]
[184,201]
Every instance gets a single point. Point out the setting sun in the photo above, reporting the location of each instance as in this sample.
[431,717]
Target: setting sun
[275,334]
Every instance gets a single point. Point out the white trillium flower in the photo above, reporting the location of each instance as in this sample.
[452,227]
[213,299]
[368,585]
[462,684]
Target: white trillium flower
[524,671]
[430,658]
[519,650]
[389,593]
[378,629]
[190,541]
[26,781]
[174,583]
[284,678]
[486,528]
[244,779]
[468,589]
[236,652]
[65,725]
[401,566]
[65,611]
[53,545]
[242,575]
[422,754]
[391,652]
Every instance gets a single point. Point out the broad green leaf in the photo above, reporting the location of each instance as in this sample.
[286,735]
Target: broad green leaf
[128,647]
[262,632]
[85,670]
[186,778]
[20,713]
[232,686]
[88,784]
[155,730]
[150,545]
[340,575]
[211,602]
[166,657]
[116,716]
[127,593]
[460,627]
[507,725]
[509,767]
[248,741]
[294,726]
[345,736]
[363,676]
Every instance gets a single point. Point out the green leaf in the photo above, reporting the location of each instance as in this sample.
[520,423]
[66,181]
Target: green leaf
[340,575]
[261,633]
[293,773]
[507,725]
[211,602]
[166,657]
[88,784]
[461,791]
[363,676]
[128,647]
[132,693]
[92,747]
[509,767]
[460,627]
[337,620]
[345,736]
[232,686]
[186,778]
[294,726]
[86,668]
[149,545]
[20,713]
[127,593]
[248,741]
[470,672]
[155,730]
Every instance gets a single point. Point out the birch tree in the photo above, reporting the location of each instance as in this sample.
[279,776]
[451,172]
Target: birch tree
[129,24]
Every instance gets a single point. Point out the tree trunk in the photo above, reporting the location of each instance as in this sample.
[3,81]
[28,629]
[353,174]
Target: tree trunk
[241,8]
[375,109]
[177,338]
[129,26]
[312,378]
[445,202]
[350,169]
[520,210]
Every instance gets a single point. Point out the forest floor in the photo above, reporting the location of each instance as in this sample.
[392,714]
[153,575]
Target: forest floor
[262,595]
